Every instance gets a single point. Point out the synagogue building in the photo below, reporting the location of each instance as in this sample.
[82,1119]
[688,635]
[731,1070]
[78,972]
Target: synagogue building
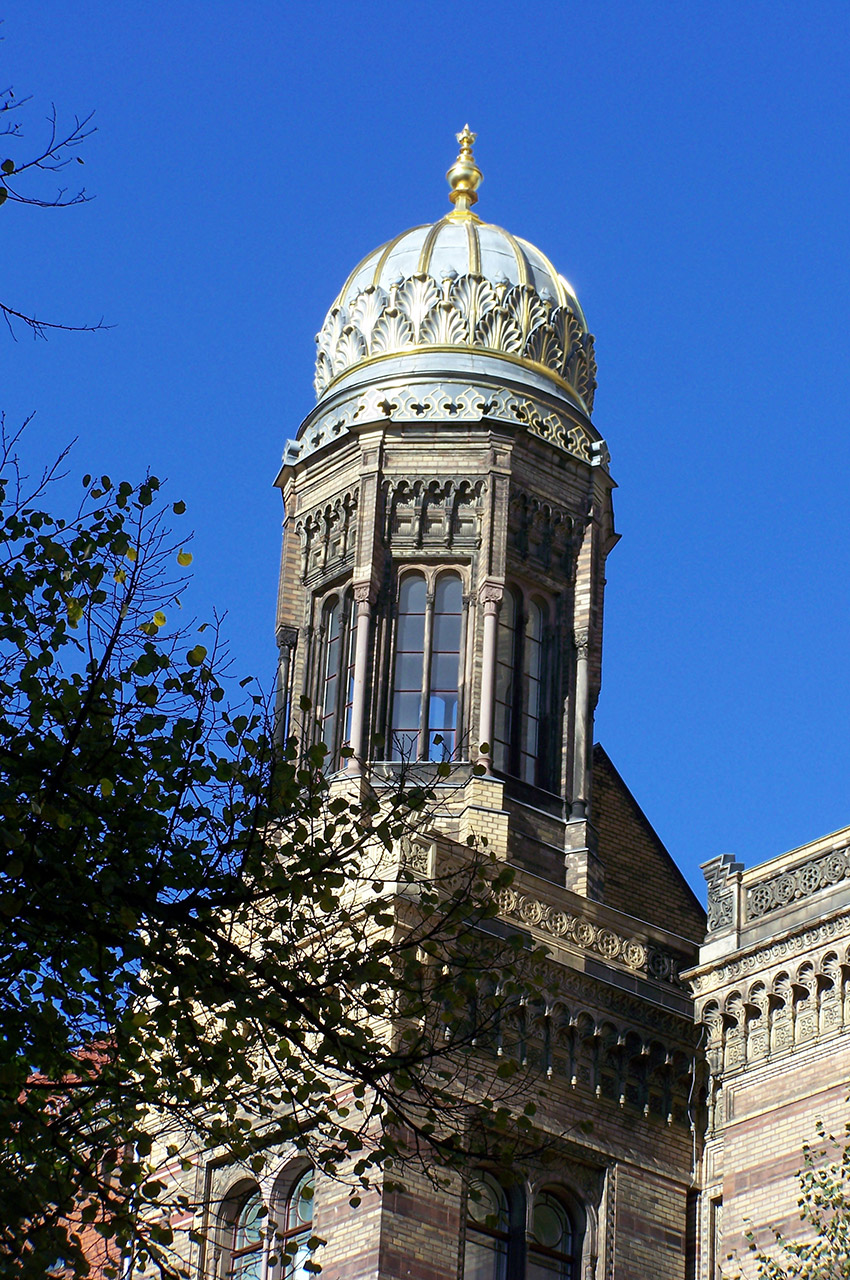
[448,515]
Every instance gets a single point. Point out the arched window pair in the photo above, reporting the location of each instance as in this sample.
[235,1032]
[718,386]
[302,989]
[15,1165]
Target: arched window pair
[255,1235]
[336,674]
[427,668]
[523,686]
[503,1242]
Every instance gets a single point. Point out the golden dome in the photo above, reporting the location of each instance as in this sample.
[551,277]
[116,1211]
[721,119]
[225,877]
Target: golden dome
[459,285]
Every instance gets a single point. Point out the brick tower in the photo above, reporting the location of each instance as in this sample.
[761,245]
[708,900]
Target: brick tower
[448,516]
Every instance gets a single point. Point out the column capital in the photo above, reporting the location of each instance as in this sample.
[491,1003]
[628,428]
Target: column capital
[491,594]
[364,593]
[287,638]
[581,640]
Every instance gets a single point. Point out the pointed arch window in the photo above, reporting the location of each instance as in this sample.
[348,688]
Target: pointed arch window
[424,721]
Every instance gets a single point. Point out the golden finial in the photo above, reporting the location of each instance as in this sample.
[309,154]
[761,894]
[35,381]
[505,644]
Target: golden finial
[464,178]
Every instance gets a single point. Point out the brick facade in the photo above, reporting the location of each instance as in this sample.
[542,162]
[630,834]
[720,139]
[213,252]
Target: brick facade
[428,457]
[771,1000]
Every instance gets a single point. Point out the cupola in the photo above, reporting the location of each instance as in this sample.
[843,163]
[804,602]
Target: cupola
[462,295]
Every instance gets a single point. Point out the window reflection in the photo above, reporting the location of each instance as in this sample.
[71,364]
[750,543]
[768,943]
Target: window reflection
[427,668]
[246,1256]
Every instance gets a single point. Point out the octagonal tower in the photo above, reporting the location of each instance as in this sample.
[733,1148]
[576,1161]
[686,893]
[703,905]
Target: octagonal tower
[447,518]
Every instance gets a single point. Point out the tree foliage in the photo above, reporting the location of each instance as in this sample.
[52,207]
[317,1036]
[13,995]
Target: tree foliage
[206,943]
[825,1207]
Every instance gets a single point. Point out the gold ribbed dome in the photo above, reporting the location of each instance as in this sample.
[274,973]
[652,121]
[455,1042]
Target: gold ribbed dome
[457,285]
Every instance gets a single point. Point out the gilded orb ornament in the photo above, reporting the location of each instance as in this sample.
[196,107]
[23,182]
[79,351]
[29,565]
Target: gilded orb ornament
[464,178]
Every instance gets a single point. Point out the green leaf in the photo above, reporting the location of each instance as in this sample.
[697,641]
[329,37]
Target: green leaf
[179,508]
[106,787]
[3,194]
[195,657]
[8,166]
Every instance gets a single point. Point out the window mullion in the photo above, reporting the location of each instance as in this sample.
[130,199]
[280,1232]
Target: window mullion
[422,752]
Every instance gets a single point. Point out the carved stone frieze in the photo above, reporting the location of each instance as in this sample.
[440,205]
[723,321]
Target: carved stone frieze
[625,1055]
[464,312]
[775,1006]
[764,958]
[636,954]
[775,892]
[590,993]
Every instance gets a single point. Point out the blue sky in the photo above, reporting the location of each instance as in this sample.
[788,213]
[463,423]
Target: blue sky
[685,166]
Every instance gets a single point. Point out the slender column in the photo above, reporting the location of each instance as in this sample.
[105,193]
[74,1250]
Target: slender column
[363,603]
[490,596]
[578,808]
[287,638]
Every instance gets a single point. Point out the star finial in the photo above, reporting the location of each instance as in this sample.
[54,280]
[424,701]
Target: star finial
[464,177]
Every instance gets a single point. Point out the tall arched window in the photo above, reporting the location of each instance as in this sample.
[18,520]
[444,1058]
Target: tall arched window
[506,683]
[444,679]
[296,1229]
[246,1250]
[497,1246]
[519,740]
[426,674]
[551,1246]
[409,666]
[331,664]
[532,685]
[488,1230]
[336,674]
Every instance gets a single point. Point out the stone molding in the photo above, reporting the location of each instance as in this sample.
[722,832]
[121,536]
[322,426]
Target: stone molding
[762,959]
[466,312]
[327,533]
